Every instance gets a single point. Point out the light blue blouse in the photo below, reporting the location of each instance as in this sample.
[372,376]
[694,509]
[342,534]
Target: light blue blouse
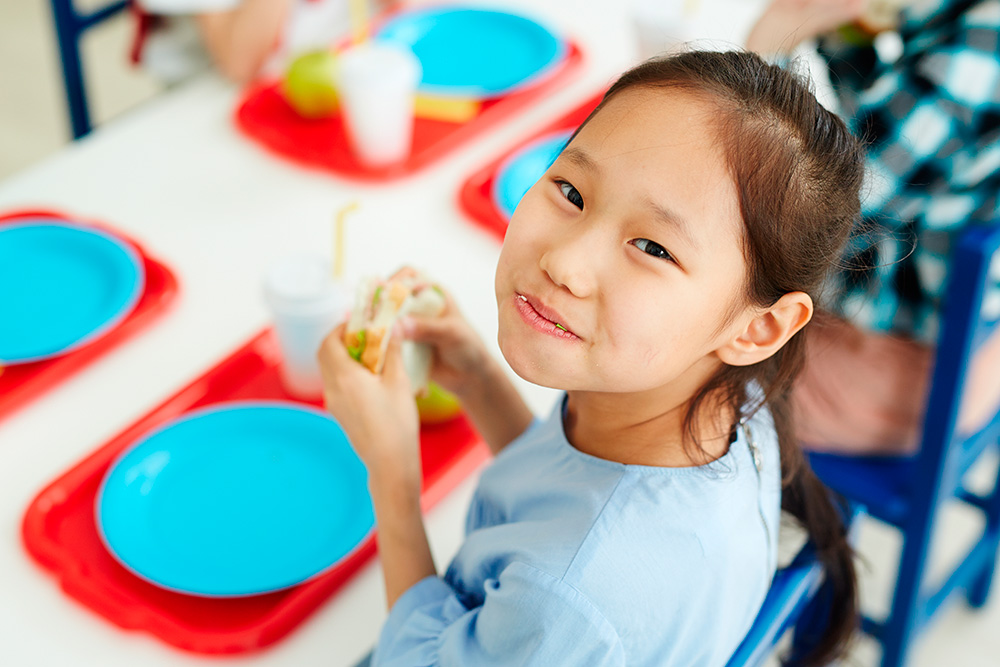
[574,560]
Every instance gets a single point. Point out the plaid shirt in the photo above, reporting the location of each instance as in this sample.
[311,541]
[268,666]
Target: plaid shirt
[932,120]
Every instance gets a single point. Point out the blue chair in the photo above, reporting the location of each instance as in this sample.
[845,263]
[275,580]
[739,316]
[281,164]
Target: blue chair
[70,27]
[908,492]
[794,602]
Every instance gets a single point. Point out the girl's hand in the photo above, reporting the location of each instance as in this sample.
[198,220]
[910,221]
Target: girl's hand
[379,415]
[787,23]
[460,358]
[377,412]
[461,364]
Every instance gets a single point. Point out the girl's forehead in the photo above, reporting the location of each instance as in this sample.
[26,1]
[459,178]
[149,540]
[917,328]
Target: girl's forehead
[660,146]
[649,117]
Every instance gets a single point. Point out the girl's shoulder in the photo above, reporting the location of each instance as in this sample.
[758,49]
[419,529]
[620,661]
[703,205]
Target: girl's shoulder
[715,514]
[706,539]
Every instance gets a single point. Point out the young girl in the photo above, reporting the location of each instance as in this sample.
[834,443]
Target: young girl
[658,273]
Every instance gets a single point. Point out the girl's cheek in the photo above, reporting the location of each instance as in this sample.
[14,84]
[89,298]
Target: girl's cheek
[511,258]
[526,250]
[618,328]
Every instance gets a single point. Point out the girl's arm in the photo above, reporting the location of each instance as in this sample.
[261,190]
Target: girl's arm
[495,407]
[527,617]
[402,540]
[379,416]
[463,365]
[239,40]
[787,23]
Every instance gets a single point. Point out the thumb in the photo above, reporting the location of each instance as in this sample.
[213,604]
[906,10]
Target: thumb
[394,369]
[332,350]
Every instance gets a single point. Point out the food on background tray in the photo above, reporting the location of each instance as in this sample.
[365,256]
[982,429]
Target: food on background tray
[448,109]
[310,87]
[437,405]
[310,84]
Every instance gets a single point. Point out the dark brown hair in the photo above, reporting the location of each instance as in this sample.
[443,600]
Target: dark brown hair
[798,174]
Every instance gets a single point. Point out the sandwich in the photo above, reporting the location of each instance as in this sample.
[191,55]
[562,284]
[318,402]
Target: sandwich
[378,305]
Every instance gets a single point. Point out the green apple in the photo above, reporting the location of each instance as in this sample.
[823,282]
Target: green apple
[310,84]
[437,405]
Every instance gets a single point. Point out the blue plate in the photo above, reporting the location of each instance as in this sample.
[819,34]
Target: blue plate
[236,500]
[521,170]
[61,286]
[475,53]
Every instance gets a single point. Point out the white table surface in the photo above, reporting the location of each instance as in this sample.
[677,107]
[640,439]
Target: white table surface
[177,176]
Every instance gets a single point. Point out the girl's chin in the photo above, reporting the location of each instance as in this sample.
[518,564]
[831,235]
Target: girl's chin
[533,366]
[540,379]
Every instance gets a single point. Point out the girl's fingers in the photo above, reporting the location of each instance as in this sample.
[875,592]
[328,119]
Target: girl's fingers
[394,370]
[404,272]
[428,329]
[335,361]
[412,328]
[332,351]
[450,307]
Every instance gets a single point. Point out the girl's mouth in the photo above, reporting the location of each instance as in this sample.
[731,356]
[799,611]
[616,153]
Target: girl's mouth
[529,311]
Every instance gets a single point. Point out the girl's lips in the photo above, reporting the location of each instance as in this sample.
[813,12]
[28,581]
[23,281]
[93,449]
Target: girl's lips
[537,321]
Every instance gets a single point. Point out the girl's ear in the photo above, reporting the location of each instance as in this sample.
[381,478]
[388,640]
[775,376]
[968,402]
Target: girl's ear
[768,331]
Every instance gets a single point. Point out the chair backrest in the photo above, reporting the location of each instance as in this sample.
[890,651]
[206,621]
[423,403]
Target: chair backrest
[793,591]
[792,588]
[945,454]
[70,26]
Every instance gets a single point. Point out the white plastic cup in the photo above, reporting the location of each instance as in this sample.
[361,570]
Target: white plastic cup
[661,27]
[306,304]
[377,82]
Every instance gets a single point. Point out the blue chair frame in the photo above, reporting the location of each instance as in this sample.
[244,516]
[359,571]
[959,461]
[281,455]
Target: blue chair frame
[795,601]
[70,27]
[907,492]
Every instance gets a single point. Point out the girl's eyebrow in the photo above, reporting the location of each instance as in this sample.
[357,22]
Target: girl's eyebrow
[664,215]
[579,157]
[660,213]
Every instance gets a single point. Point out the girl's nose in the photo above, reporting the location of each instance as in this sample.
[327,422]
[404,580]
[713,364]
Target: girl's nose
[573,261]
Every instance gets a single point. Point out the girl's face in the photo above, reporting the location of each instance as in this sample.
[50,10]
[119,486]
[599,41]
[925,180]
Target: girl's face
[622,269]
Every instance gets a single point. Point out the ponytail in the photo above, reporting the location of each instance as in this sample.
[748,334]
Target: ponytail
[812,504]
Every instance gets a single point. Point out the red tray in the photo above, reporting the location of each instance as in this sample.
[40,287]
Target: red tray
[23,382]
[475,197]
[59,528]
[266,118]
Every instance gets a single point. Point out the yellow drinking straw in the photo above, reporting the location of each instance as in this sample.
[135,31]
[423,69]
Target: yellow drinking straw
[338,239]
[359,20]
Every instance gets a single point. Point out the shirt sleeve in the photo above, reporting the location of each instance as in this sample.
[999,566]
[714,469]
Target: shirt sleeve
[927,120]
[917,113]
[851,66]
[527,618]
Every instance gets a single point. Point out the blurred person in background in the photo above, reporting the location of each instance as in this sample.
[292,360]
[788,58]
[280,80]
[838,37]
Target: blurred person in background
[930,113]
[243,39]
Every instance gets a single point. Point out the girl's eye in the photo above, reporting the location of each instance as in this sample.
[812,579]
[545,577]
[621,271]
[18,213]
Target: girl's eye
[652,248]
[571,194]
